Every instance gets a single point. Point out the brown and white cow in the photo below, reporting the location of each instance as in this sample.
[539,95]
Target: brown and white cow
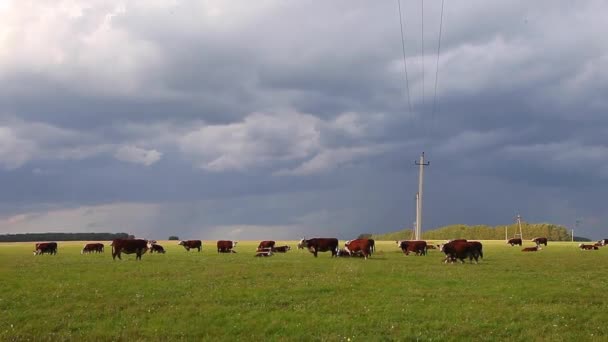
[409,246]
[156,248]
[266,244]
[460,250]
[531,249]
[603,242]
[363,246]
[588,247]
[515,241]
[45,248]
[317,245]
[191,244]
[226,246]
[540,241]
[129,246]
[92,247]
[281,249]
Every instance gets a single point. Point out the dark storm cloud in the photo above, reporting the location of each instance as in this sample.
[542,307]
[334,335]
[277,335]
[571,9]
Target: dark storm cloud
[292,119]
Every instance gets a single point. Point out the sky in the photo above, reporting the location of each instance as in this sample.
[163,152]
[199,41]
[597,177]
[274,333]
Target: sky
[289,119]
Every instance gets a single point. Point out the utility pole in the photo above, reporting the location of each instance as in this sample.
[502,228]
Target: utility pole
[421,164]
[506,236]
[520,234]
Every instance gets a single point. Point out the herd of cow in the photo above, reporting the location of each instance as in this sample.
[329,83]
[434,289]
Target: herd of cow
[454,250]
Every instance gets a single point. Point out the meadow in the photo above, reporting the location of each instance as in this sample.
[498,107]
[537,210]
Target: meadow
[557,294]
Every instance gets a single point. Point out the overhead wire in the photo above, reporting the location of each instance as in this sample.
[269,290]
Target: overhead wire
[437,65]
[407,82]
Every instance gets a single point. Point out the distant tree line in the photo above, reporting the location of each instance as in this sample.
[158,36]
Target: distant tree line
[552,232]
[63,237]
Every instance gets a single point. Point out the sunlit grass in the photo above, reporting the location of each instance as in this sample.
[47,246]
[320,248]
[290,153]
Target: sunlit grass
[555,294]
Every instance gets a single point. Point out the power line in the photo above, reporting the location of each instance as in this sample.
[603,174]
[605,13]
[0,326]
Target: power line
[437,66]
[407,82]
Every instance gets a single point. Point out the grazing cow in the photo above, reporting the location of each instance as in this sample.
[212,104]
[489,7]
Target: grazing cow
[129,246]
[45,247]
[281,249]
[603,242]
[156,248]
[359,245]
[226,246]
[459,250]
[540,241]
[266,244]
[92,247]
[531,249]
[191,244]
[513,242]
[418,247]
[317,245]
[588,247]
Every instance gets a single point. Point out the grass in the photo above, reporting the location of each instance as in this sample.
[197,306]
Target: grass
[557,294]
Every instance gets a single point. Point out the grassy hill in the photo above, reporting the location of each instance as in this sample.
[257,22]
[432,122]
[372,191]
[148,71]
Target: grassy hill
[482,232]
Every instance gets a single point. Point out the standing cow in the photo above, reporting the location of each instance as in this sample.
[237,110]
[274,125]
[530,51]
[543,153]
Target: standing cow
[515,241]
[418,247]
[363,246]
[92,247]
[266,244]
[459,250]
[129,246]
[226,246]
[540,241]
[317,245]
[191,244]
[603,242]
[45,248]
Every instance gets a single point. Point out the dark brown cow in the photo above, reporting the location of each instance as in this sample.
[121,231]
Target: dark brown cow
[92,247]
[191,244]
[129,246]
[359,245]
[531,249]
[317,245]
[513,242]
[226,246]
[477,248]
[540,241]
[459,250]
[156,248]
[588,247]
[418,247]
[282,249]
[266,244]
[45,247]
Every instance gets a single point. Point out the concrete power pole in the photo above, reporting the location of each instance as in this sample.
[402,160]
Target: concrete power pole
[421,164]
[519,234]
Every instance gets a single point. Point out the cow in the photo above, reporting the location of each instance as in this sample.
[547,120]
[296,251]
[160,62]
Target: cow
[281,249]
[191,244]
[92,247]
[603,242]
[588,247]
[418,247]
[359,245]
[372,246]
[343,253]
[531,249]
[460,250]
[264,252]
[317,245]
[477,248]
[129,246]
[266,244]
[515,241]
[45,247]
[540,241]
[226,246]
[156,248]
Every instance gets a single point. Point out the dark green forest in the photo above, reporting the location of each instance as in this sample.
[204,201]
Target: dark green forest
[62,237]
[551,231]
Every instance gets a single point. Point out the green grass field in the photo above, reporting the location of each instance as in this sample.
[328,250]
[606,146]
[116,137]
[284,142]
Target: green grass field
[556,294]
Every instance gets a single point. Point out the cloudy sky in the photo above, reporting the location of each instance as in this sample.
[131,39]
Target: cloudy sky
[282,119]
